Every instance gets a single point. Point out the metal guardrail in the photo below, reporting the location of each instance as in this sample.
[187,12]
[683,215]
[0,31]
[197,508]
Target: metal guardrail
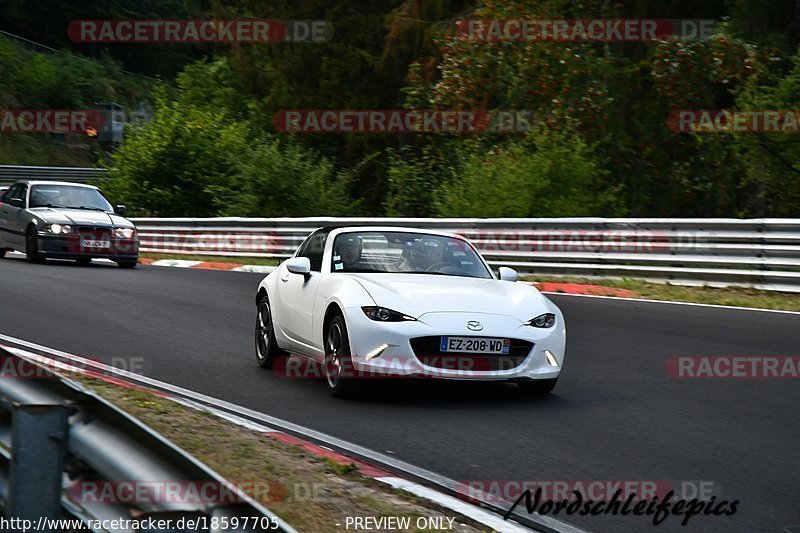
[11,173]
[56,437]
[759,253]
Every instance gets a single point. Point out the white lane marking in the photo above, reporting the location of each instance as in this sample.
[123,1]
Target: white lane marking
[180,263]
[233,419]
[479,515]
[255,268]
[672,302]
[50,363]
[487,518]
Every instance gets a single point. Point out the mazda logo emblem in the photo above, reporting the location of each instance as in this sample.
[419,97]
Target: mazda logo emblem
[474,325]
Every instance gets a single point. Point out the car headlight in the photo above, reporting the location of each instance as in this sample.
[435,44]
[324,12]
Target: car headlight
[124,233]
[542,321]
[58,229]
[381,314]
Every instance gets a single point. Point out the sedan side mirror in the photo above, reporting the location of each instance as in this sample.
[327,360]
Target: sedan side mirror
[16,202]
[508,274]
[121,210]
[299,265]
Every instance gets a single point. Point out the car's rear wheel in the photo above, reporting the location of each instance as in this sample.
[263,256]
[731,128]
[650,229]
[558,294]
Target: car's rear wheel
[83,261]
[539,386]
[126,264]
[32,246]
[267,349]
[339,371]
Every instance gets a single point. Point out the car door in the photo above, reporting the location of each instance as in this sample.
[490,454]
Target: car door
[3,216]
[11,210]
[297,295]
[16,223]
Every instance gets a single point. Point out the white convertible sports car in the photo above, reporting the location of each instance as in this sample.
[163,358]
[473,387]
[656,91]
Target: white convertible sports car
[399,302]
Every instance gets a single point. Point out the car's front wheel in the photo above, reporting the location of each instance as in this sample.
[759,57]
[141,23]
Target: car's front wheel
[267,349]
[32,246]
[127,264]
[339,371]
[539,386]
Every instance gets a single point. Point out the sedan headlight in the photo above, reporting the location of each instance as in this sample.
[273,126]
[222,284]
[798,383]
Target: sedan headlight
[124,233]
[58,229]
[546,320]
[381,314]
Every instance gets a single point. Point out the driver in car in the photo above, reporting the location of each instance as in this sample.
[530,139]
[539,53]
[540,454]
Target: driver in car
[427,253]
[348,250]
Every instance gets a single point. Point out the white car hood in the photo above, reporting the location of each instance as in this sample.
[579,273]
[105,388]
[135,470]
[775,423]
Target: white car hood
[417,294]
[79,217]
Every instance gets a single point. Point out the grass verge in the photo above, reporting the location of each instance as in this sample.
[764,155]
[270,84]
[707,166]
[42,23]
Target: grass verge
[311,493]
[732,296]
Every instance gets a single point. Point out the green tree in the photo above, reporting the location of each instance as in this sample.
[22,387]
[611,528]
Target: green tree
[275,178]
[550,175]
[196,162]
[169,166]
[772,160]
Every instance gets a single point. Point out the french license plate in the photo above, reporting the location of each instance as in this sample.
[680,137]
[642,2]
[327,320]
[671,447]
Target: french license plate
[94,243]
[475,345]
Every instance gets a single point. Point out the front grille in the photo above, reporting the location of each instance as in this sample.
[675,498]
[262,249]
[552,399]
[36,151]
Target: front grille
[90,233]
[95,233]
[427,351]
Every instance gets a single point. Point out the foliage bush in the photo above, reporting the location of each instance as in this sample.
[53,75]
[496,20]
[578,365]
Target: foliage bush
[196,162]
[550,175]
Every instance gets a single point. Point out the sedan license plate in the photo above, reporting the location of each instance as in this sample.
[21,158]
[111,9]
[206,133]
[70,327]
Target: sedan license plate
[475,345]
[94,243]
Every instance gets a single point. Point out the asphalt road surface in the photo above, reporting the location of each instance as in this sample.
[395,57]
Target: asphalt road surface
[616,413]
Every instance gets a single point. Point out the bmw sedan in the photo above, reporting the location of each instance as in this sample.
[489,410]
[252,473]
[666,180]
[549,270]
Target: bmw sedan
[47,219]
[385,302]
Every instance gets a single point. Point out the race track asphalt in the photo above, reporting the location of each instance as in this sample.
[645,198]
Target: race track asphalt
[616,414]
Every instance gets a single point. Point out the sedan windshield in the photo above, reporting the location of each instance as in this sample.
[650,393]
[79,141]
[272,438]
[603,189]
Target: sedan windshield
[69,196]
[407,253]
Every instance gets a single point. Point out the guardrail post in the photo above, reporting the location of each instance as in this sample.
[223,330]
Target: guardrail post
[38,448]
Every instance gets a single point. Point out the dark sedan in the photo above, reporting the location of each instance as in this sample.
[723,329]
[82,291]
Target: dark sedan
[60,220]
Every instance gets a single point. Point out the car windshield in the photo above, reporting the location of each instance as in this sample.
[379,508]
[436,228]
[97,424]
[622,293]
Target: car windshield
[69,196]
[407,253]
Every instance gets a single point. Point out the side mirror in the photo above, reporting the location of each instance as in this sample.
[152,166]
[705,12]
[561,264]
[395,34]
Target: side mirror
[16,202]
[299,265]
[121,210]
[508,274]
